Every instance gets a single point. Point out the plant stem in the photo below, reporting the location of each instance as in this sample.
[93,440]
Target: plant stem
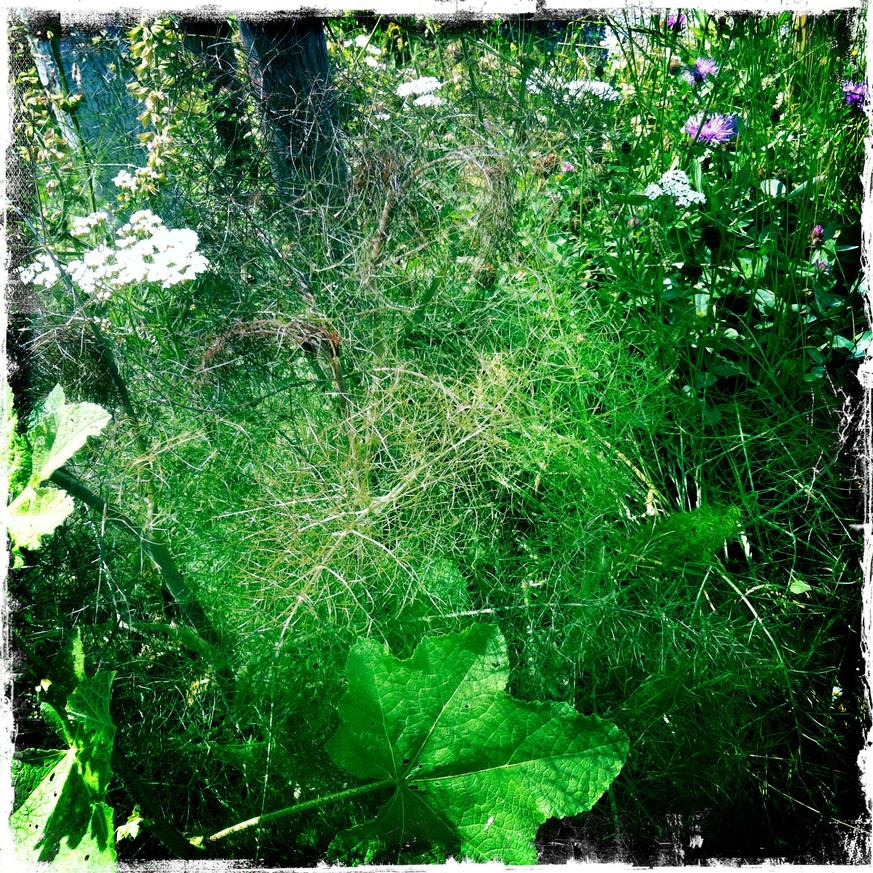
[267,817]
[54,44]
[154,547]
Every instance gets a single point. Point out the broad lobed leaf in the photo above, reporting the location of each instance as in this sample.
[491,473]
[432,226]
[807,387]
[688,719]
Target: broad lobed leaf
[88,706]
[61,815]
[476,772]
[57,430]
[392,708]
[61,822]
[36,512]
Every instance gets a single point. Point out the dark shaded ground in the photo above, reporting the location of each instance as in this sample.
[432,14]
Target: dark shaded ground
[706,838]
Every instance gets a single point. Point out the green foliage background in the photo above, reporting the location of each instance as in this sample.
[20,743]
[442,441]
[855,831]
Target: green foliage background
[608,425]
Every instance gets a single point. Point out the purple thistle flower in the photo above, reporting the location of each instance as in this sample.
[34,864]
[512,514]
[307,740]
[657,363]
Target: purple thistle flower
[676,21]
[854,93]
[567,167]
[702,68]
[824,267]
[714,130]
[816,236]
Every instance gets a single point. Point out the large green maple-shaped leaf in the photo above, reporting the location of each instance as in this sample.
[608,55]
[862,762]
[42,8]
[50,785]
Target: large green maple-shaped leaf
[61,813]
[475,772]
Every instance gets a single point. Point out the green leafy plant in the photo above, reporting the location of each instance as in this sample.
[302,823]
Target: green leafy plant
[471,768]
[56,431]
[473,772]
[498,377]
[60,813]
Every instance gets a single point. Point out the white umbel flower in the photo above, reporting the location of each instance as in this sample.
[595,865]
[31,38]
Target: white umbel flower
[603,90]
[125,181]
[428,100]
[82,226]
[145,250]
[424,85]
[675,184]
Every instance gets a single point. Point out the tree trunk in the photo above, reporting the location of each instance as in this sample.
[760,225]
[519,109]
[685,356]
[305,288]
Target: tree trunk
[290,74]
[211,41]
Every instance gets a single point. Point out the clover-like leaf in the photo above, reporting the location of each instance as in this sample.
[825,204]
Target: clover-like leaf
[474,771]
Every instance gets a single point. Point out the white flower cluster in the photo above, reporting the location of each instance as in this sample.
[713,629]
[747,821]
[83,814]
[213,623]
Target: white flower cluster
[363,41]
[145,251]
[43,271]
[425,85]
[540,81]
[125,181]
[128,182]
[428,100]
[83,226]
[603,90]
[676,184]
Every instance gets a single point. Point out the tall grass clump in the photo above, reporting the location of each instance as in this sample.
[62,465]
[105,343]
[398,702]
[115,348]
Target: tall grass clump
[567,348]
